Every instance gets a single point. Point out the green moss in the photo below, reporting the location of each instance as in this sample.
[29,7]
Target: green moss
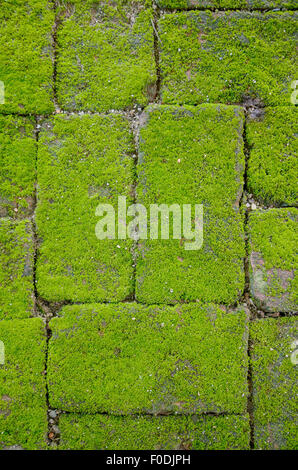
[17,166]
[274,378]
[193,156]
[225,57]
[105,56]
[82,161]
[23,413]
[273,167]
[26,56]
[273,259]
[227,4]
[16,269]
[99,432]
[128,358]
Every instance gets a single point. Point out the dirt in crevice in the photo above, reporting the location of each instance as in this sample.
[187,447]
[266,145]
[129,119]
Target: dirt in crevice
[57,23]
[250,406]
[246,295]
[218,11]
[134,118]
[157,41]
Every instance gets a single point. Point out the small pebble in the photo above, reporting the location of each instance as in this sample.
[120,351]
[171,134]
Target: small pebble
[56,430]
[53,414]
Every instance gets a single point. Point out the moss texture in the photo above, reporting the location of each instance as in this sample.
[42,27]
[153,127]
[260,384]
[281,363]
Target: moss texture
[23,413]
[16,269]
[82,161]
[227,4]
[99,432]
[274,378]
[273,259]
[129,358]
[26,56]
[273,164]
[17,166]
[105,55]
[193,156]
[226,57]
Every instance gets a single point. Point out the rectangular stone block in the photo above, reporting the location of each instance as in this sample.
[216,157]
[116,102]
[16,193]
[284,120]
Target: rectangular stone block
[16,269]
[129,358]
[17,166]
[83,161]
[226,57]
[26,56]
[100,432]
[105,55]
[273,259]
[274,377]
[23,411]
[192,155]
[273,164]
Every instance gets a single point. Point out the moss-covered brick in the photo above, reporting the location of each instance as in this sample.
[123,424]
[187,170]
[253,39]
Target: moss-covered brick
[16,269]
[105,55]
[82,161]
[17,166]
[227,4]
[26,56]
[227,57]
[273,259]
[192,155]
[274,377]
[273,163]
[100,432]
[129,358]
[23,412]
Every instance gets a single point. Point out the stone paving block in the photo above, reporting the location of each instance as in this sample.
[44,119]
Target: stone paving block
[193,155]
[99,432]
[17,166]
[273,259]
[16,269]
[83,161]
[105,55]
[227,4]
[274,377]
[26,56]
[23,412]
[273,163]
[130,358]
[227,57]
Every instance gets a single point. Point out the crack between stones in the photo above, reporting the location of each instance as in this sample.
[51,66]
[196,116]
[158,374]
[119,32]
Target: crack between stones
[156,16]
[227,10]
[250,405]
[50,434]
[37,307]
[56,25]
[246,295]
[134,119]
[33,224]
[39,310]
[54,308]
[123,112]
[151,414]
